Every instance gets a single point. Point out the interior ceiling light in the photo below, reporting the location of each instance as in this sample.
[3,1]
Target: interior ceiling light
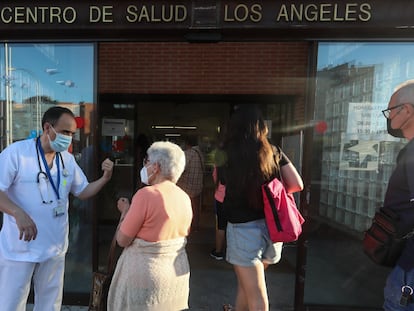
[160,127]
[185,127]
[172,135]
[178,127]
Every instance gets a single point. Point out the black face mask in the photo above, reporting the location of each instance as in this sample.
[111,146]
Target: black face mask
[394,132]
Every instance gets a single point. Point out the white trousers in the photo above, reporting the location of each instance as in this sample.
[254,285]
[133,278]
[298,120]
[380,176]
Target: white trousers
[15,281]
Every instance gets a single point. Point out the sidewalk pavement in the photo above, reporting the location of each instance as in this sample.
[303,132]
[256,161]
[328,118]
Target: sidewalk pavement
[213,283]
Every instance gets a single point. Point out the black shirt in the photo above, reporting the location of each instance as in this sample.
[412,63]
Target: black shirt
[236,204]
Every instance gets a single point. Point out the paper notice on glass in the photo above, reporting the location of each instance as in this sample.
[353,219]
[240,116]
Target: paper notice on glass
[113,127]
[359,155]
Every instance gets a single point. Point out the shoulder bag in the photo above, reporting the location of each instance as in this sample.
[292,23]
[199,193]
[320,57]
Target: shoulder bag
[101,280]
[385,240]
[283,219]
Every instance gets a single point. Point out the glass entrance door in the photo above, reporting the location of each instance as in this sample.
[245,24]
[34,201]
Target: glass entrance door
[173,117]
[35,77]
[353,159]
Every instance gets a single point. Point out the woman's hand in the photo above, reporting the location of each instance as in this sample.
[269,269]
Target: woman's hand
[123,205]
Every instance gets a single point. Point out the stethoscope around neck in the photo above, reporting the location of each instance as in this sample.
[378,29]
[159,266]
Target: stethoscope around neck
[46,175]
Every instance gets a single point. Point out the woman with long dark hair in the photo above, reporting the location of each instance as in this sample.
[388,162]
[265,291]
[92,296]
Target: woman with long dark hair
[251,161]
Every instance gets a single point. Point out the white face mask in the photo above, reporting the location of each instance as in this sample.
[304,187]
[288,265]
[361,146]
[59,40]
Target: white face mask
[144,175]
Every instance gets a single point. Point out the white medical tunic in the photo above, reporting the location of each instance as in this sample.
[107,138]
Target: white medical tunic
[19,168]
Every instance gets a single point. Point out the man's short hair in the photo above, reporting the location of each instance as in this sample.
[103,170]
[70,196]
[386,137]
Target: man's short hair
[404,92]
[53,114]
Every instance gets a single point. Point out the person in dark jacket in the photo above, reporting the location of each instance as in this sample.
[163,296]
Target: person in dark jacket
[251,161]
[400,195]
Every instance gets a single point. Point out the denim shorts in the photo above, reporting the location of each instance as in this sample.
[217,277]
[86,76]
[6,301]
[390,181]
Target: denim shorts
[392,291]
[249,242]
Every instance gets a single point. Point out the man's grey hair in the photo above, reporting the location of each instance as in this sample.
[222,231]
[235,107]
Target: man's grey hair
[404,92]
[170,157]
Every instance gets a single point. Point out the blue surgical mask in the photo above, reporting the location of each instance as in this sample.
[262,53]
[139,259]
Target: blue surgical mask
[61,142]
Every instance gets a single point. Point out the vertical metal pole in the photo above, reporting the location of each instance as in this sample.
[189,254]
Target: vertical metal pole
[9,118]
[305,204]
[3,120]
[37,108]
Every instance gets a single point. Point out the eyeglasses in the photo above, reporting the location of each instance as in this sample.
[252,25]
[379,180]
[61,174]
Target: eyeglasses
[387,112]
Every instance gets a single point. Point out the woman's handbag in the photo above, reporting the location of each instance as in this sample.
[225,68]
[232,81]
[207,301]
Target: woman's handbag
[99,294]
[283,219]
[102,280]
[384,241]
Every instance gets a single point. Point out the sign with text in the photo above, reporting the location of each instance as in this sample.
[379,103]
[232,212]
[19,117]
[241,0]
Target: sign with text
[366,118]
[113,127]
[164,13]
[130,15]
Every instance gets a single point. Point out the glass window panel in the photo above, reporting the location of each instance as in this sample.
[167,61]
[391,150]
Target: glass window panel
[35,77]
[353,84]
[3,122]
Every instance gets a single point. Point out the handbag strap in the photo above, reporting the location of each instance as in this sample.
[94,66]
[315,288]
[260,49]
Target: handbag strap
[273,207]
[111,253]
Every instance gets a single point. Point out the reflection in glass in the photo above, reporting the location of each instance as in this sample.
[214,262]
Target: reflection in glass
[356,157]
[38,76]
[35,77]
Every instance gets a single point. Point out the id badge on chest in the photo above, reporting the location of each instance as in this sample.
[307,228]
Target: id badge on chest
[59,210]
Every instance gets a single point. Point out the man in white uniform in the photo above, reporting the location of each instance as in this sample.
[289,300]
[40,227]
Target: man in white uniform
[36,178]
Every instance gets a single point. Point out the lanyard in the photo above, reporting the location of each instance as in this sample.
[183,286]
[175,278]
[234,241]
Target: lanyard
[49,176]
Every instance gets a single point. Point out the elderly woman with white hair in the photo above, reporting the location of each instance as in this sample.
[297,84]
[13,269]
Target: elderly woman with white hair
[153,272]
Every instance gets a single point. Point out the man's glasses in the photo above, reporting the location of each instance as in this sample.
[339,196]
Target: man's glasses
[387,112]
